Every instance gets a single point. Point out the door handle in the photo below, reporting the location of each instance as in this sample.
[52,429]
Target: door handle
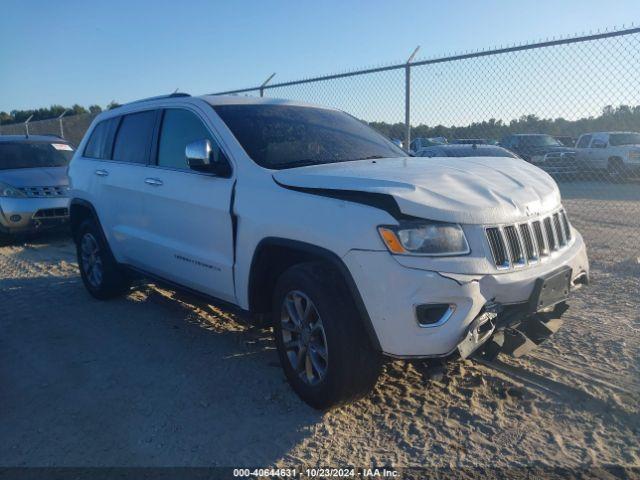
[156,182]
[101,173]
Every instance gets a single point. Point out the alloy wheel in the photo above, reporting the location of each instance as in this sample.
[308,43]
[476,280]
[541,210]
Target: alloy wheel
[304,338]
[91,260]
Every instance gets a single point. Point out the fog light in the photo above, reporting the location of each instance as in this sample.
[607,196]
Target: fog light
[15,218]
[434,314]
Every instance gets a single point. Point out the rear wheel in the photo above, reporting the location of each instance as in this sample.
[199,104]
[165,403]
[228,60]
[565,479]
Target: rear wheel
[100,273]
[324,351]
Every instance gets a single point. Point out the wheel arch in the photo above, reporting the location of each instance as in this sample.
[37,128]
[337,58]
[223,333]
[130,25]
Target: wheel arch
[79,211]
[273,255]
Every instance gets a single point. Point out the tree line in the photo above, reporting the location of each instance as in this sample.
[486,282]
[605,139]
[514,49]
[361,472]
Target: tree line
[54,111]
[623,118]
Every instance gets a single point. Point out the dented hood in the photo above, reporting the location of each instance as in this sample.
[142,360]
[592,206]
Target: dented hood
[464,190]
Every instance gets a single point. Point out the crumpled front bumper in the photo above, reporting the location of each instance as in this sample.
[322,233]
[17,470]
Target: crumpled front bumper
[392,292]
[25,215]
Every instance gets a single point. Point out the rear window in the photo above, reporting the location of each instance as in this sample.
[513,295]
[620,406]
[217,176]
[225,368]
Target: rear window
[34,154]
[616,139]
[101,141]
[133,141]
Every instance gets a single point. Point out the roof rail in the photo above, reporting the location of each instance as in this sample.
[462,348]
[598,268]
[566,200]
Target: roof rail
[159,97]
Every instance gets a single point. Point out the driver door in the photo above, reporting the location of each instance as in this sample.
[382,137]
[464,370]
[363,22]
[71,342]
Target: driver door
[189,227]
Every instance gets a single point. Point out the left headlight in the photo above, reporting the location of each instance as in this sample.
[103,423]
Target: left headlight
[9,191]
[423,237]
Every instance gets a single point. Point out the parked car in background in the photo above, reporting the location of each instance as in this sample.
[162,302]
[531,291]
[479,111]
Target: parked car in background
[398,142]
[566,140]
[463,150]
[312,221]
[470,141]
[616,153]
[422,142]
[33,183]
[545,152]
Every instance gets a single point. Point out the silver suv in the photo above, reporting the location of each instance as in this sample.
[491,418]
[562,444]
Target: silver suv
[33,183]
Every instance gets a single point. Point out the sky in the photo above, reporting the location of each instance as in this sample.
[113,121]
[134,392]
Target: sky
[90,52]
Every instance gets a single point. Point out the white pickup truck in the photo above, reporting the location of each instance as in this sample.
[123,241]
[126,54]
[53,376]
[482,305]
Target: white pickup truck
[617,153]
[307,218]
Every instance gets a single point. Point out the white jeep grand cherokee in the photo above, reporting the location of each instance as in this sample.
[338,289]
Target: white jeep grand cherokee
[307,218]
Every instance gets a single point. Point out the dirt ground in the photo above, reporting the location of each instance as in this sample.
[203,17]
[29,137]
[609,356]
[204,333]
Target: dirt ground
[161,379]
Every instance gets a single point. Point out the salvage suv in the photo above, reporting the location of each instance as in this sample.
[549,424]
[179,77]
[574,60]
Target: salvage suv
[304,217]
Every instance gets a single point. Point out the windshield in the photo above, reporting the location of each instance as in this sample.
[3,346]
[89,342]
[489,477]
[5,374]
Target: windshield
[539,141]
[616,139]
[287,136]
[34,155]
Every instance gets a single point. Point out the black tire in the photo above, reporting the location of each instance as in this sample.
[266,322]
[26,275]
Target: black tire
[5,239]
[112,281]
[616,170]
[353,366]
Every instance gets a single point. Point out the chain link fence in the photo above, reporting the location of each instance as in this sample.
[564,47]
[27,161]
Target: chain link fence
[559,104]
[72,128]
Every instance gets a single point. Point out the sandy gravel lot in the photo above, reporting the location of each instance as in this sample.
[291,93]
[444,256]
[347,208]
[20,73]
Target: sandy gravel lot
[161,379]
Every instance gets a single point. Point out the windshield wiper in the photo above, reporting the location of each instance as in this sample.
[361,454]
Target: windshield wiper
[370,157]
[301,163]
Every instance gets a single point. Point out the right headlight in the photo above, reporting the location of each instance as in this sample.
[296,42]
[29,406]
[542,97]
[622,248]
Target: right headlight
[9,191]
[424,237]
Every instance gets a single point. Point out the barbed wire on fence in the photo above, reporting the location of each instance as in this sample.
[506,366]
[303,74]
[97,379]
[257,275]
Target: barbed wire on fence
[556,90]
[567,88]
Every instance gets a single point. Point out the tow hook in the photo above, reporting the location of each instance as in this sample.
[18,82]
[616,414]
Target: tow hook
[480,330]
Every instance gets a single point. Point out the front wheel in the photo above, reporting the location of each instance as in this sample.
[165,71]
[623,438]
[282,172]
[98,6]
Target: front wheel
[323,349]
[100,273]
[616,170]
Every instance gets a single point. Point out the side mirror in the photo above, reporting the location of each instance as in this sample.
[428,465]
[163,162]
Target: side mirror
[200,157]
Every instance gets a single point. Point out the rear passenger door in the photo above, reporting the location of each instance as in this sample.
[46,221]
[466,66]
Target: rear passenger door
[188,228]
[121,208]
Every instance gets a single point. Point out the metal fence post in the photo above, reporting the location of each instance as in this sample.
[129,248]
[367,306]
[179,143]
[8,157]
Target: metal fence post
[60,121]
[26,125]
[265,83]
[407,99]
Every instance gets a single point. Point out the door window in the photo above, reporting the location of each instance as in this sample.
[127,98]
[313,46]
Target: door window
[584,141]
[133,142]
[101,140]
[179,128]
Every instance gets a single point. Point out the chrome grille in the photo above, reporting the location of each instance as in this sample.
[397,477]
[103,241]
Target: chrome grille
[543,251]
[559,230]
[551,237]
[529,245]
[518,245]
[498,247]
[515,246]
[565,224]
[52,191]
